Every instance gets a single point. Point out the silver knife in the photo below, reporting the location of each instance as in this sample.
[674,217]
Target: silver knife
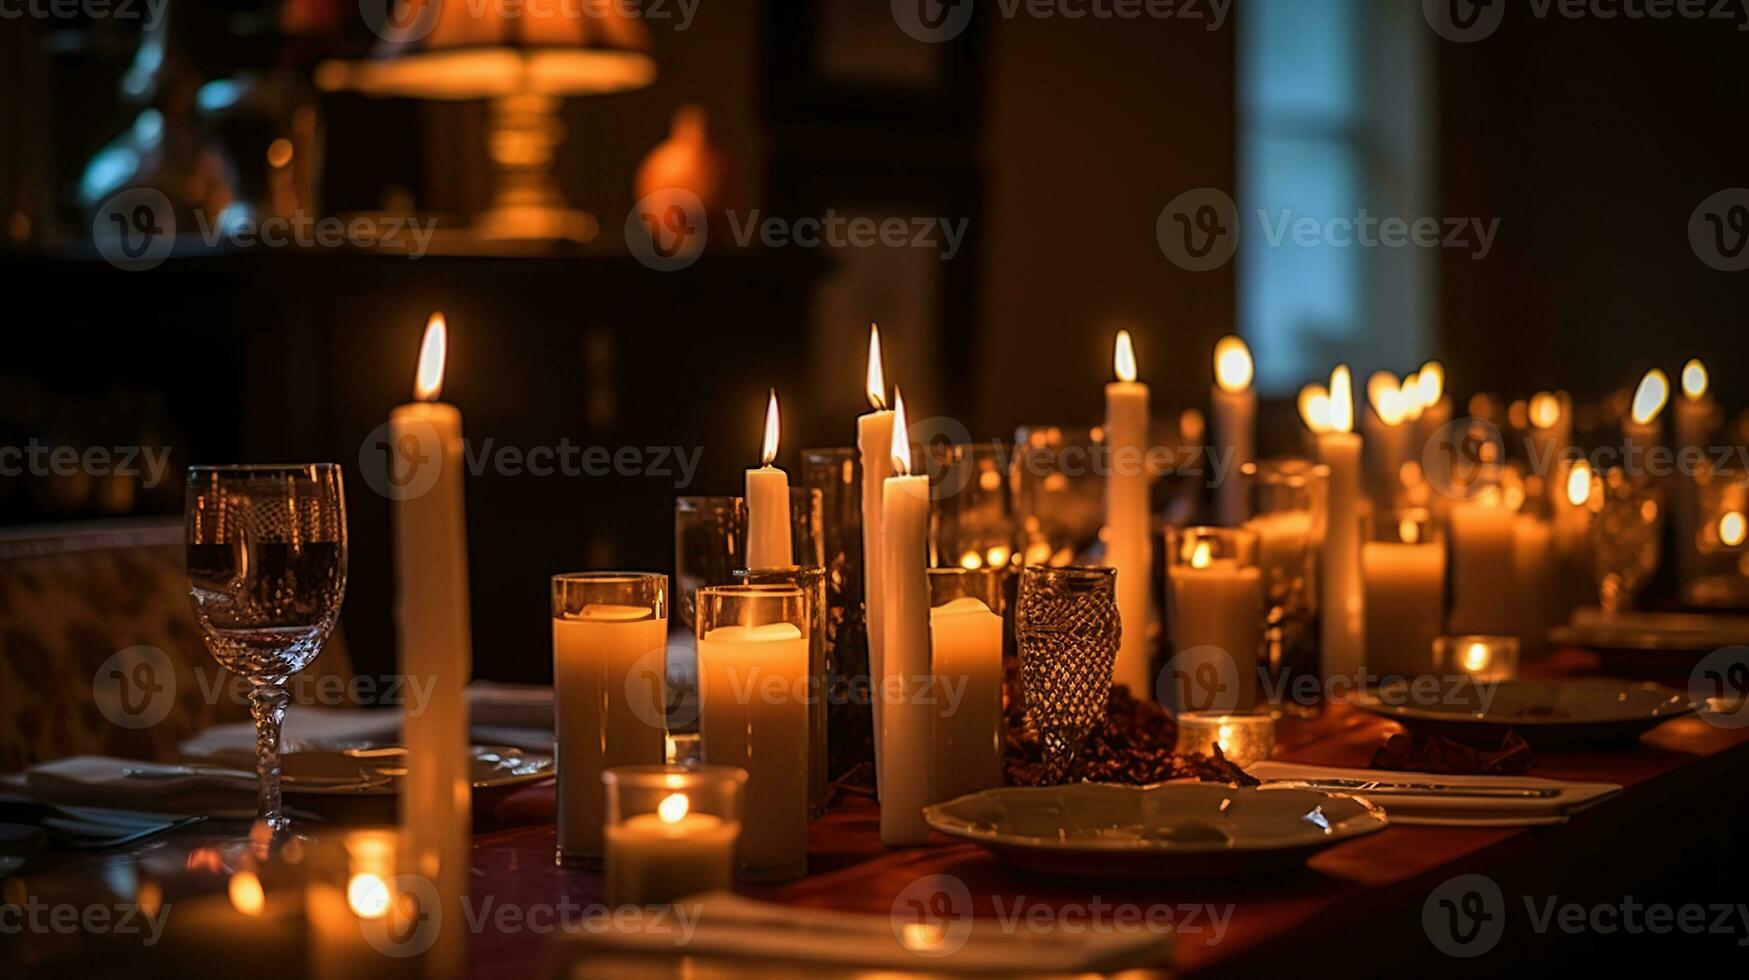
[1385,788]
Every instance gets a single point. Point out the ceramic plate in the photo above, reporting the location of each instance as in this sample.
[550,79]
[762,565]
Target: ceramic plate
[1546,712]
[1657,631]
[1172,830]
[373,769]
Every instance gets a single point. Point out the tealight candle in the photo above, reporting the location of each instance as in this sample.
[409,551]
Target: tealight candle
[350,904]
[1243,738]
[768,503]
[671,831]
[1481,658]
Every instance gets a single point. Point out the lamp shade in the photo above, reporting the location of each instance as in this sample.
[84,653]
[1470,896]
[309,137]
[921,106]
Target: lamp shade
[467,49]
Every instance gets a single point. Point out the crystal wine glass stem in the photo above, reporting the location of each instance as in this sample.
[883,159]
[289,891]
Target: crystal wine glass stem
[1610,596]
[267,703]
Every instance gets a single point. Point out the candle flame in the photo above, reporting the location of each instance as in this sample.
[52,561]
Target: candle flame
[1733,529]
[1341,400]
[246,894]
[1233,367]
[768,452]
[1124,357]
[1651,396]
[1409,531]
[1201,558]
[1409,397]
[1314,405]
[1389,399]
[673,808]
[368,894]
[433,352]
[901,450]
[1431,380]
[1476,656]
[877,377]
[1545,410]
[1579,483]
[1694,380]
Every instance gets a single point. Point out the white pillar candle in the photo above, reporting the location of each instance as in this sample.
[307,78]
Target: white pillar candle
[1435,403]
[1127,539]
[1405,603]
[1216,603]
[1481,566]
[657,858]
[965,655]
[753,714]
[1233,405]
[768,525]
[904,732]
[1551,432]
[874,444]
[1533,580]
[436,641]
[1282,542]
[1389,437]
[597,727]
[1343,614]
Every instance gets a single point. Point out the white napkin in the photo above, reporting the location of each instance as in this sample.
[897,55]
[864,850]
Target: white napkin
[1451,810]
[726,926]
[92,780]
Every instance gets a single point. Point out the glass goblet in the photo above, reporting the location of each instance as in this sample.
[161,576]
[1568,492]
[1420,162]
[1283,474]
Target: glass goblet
[266,572]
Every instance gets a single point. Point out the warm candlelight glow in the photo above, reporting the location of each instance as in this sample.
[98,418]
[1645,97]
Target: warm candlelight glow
[246,893]
[1475,657]
[1431,380]
[1545,410]
[1650,397]
[1200,558]
[1694,380]
[368,895]
[1733,528]
[1409,531]
[1314,405]
[1389,400]
[1341,400]
[1124,358]
[1579,483]
[433,350]
[901,438]
[1409,397]
[768,453]
[877,377]
[673,808]
[1233,368]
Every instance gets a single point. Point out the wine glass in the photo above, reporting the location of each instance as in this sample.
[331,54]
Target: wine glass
[266,572]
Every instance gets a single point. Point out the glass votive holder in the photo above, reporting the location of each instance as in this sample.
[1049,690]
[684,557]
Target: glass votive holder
[710,542]
[812,580]
[1066,628]
[754,678]
[1058,493]
[837,474]
[1402,562]
[972,521]
[610,645]
[671,831]
[1215,610]
[965,660]
[1479,658]
[1287,504]
[1244,737]
[358,907]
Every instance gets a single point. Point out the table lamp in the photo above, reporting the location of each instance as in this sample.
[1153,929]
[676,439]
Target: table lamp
[525,58]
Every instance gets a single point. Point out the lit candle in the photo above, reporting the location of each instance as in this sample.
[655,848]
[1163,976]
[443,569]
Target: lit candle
[1551,432]
[1216,605]
[1481,565]
[1571,532]
[768,525]
[656,858]
[1314,406]
[1643,427]
[1481,658]
[1388,435]
[1243,738]
[1233,406]
[904,732]
[436,642]
[1435,403]
[965,653]
[1127,540]
[1404,568]
[605,654]
[874,443]
[1343,625]
[1695,414]
[352,896]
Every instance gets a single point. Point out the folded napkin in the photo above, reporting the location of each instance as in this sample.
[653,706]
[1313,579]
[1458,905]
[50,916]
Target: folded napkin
[743,932]
[1452,809]
[1405,752]
[128,784]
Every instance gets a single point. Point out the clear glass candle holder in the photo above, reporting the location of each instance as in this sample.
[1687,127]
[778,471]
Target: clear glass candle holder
[358,908]
[1287,504]
[812,580]
[837,475]
[1476,657]
[1242,737]
[965,655]
[753,673]
[1067,629]
[671,831]
[1626,528]
[972,518]
[1215,613]
[610,698]
[1403,573]
[710,540]
[1058,493]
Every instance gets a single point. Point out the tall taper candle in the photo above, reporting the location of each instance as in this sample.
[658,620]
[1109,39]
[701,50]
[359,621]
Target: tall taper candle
[904,734]
[436,643]
[1233,403]
[1344,614]
[874,441]
[1128,547]
[768,525]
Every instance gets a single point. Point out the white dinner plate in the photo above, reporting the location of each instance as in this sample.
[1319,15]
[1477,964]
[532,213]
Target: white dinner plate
[1545,711]
[1170,830]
